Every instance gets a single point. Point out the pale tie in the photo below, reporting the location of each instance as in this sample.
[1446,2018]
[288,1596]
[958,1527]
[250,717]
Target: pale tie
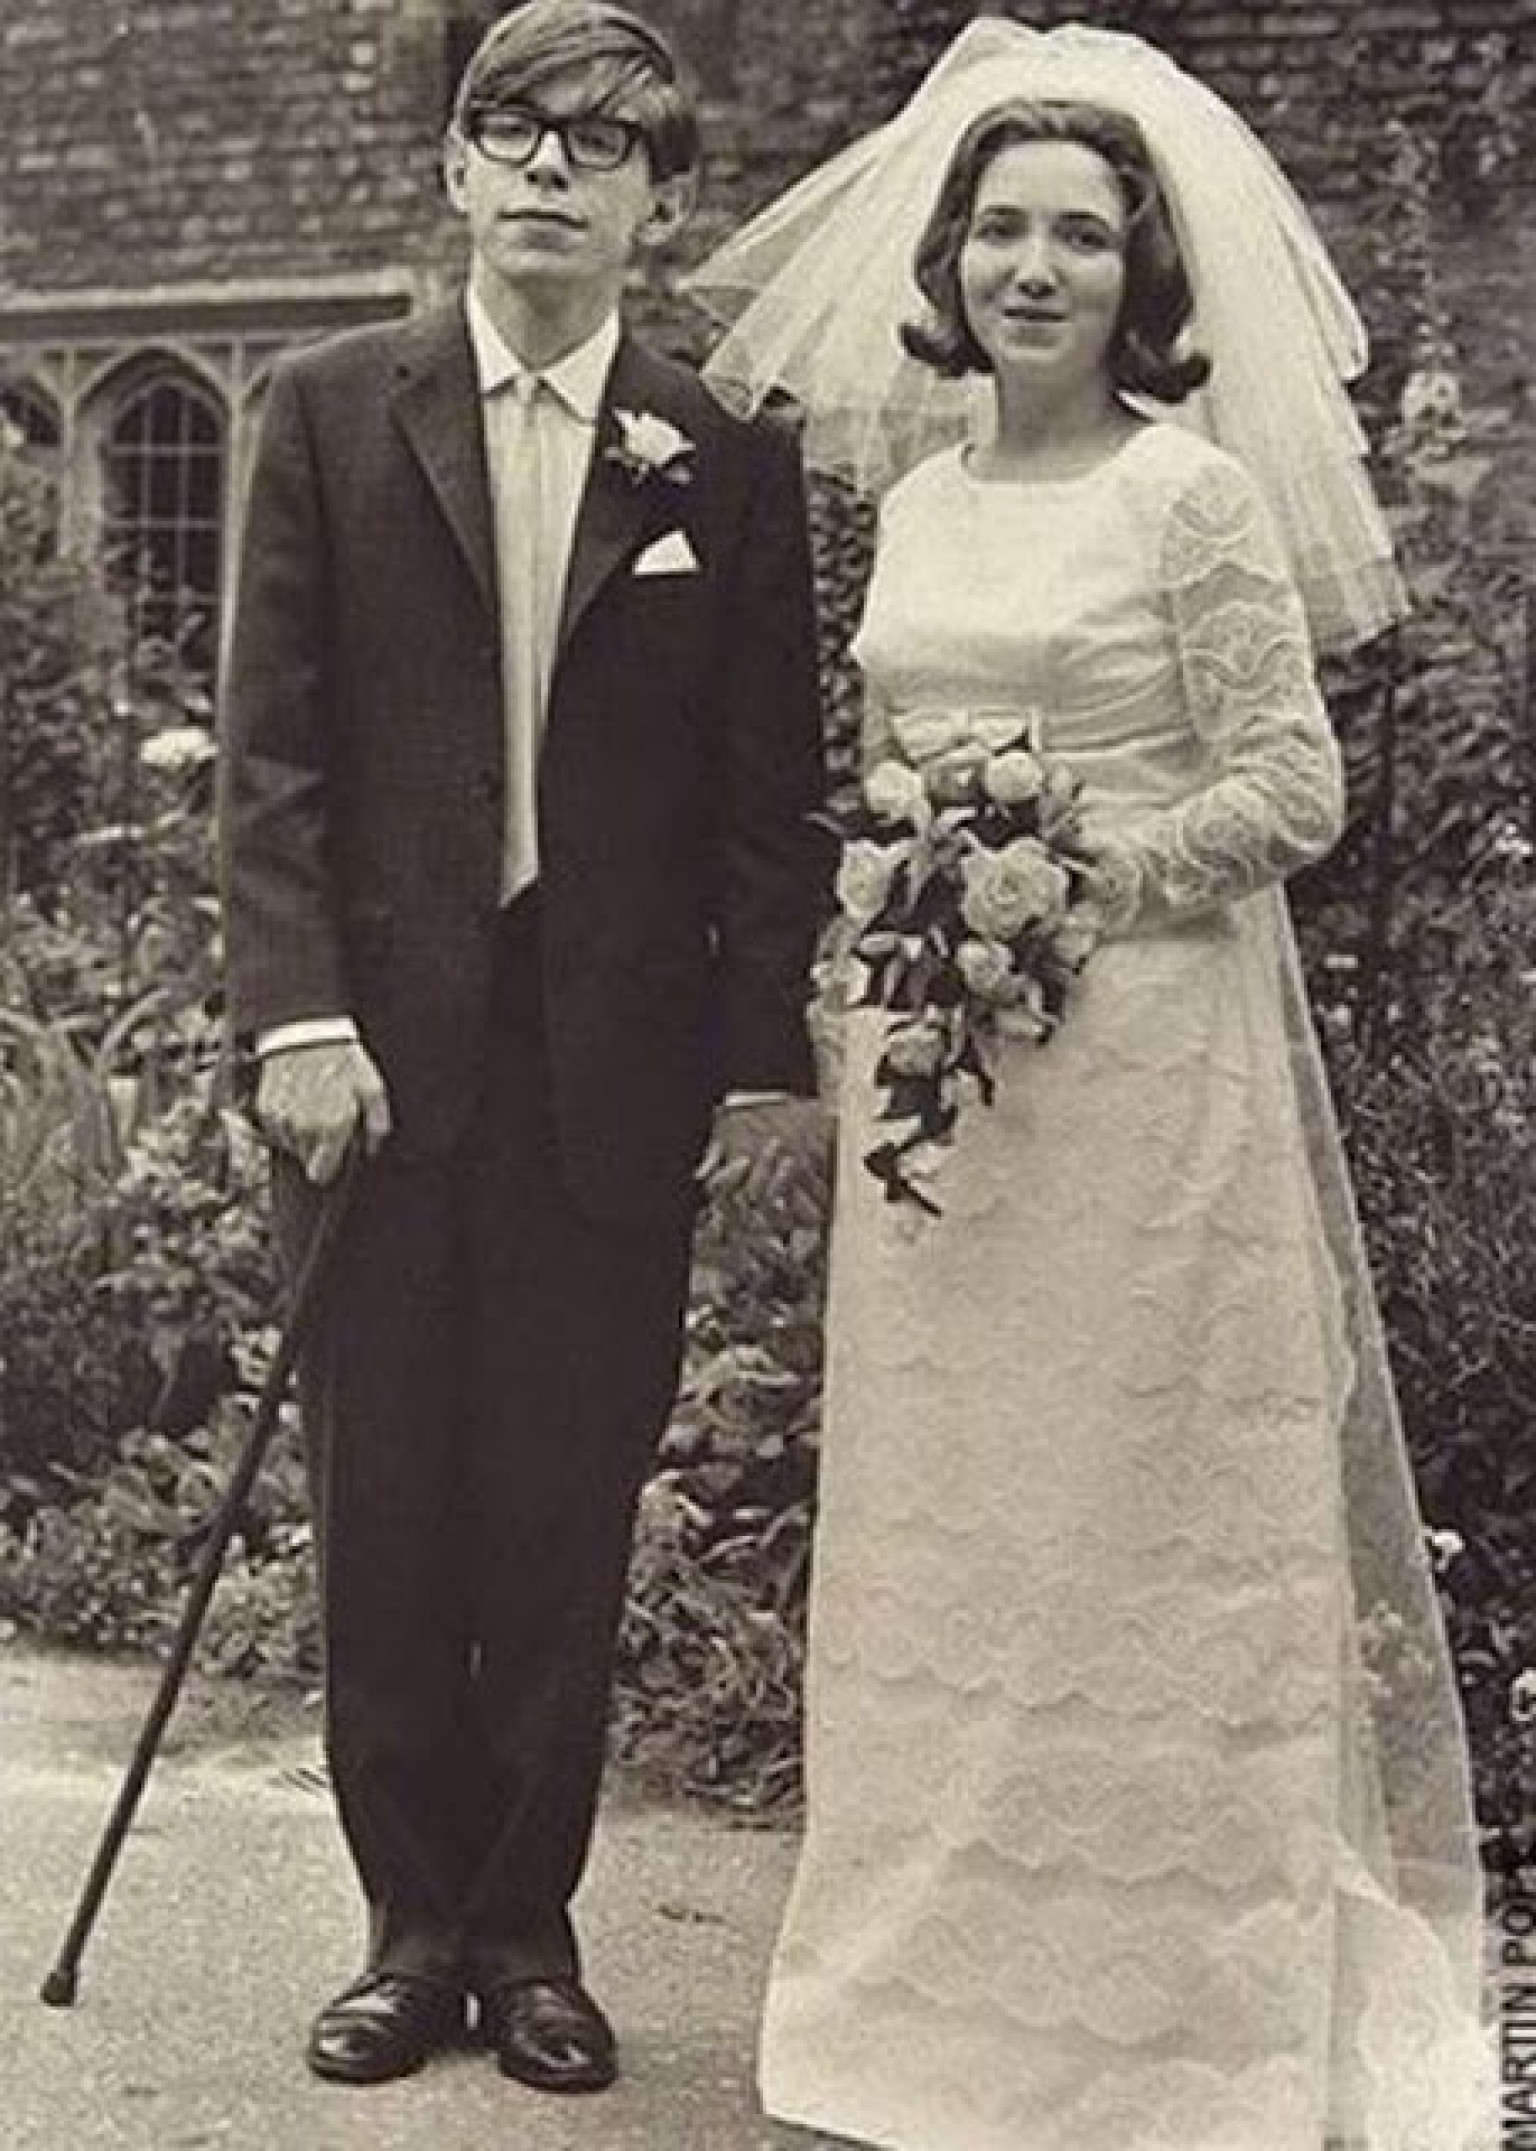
[528,581]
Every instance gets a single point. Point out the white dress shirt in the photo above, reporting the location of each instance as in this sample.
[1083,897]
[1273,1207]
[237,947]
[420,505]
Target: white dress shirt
[539,431]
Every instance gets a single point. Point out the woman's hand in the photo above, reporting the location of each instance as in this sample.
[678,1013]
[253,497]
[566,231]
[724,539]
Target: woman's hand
[311,1101]
[1113,881]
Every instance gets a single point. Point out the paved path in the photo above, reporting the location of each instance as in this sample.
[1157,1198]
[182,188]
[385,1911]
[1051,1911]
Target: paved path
[232,1915]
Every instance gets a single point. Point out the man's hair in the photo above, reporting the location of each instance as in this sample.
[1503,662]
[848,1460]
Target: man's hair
[628,69]
[1143,356]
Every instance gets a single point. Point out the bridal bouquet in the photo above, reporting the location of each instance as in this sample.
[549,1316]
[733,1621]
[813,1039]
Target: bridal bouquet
[965,913]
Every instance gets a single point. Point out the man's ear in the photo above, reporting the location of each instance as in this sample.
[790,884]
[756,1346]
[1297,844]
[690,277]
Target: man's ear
[455,156]
[672,204]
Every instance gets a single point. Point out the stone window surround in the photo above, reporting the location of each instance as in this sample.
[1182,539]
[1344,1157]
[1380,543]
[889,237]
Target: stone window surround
[81,351]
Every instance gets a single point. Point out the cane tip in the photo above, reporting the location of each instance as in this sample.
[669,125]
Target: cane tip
[60,1987]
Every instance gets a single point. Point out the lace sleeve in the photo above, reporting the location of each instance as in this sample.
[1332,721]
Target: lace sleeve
[1273,798]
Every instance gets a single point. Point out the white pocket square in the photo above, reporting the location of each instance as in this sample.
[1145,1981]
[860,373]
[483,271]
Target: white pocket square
[671,555]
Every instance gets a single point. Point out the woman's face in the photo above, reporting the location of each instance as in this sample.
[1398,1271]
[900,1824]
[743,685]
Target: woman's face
[1042,266]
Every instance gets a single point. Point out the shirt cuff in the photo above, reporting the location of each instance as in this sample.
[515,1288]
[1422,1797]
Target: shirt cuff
[307,1031]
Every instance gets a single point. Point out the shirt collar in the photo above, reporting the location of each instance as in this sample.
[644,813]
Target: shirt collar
[578,379]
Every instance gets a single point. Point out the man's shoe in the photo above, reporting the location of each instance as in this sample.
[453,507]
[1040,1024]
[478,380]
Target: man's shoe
[384,2025]
[549,2033]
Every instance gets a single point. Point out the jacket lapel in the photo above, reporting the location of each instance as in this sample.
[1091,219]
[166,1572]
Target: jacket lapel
[437,406]
[616,511]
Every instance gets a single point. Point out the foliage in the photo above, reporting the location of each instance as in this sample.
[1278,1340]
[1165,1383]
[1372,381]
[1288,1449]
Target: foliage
[916,33]
[61,1144]
[1439,1110]
[131,1254]
[1419,933]
[842,540]
[708,1689]
[108,1564]
[56,652]
[107,959]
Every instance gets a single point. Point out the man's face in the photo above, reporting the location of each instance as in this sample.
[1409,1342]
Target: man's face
[552,228]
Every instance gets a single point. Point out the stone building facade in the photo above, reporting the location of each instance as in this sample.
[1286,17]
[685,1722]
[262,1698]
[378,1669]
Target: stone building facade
[188,187]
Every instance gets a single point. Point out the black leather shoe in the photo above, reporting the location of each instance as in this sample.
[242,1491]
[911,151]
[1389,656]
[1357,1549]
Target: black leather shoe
[384,2025]
[549,2033]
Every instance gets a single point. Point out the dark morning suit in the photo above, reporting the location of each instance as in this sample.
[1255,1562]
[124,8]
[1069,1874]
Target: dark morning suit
[503,1343]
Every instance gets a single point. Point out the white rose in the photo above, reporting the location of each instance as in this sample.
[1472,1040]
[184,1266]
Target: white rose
[1005,891]
[653,441]
[1077,936]
[894,791]
[1061,786]
[1014,778]
[986,969]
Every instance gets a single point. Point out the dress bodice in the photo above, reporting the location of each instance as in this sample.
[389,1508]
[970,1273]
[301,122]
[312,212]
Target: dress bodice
[1142,615]
[995,597]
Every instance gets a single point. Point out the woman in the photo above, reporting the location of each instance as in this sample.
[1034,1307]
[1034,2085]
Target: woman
[1137,1796]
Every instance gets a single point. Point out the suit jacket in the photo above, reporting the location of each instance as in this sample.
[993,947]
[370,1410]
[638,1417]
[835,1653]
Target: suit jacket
[362,756]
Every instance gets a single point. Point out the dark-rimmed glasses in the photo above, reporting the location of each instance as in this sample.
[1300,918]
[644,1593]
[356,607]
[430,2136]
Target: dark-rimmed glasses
[514,134]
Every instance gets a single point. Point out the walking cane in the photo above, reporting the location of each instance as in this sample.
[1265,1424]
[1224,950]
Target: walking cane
[61,1985]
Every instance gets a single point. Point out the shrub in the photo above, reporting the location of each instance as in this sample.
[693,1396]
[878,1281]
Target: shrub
[1439,1109]
[708,1683]
[131,1247]
[107,1561]
[67,1374]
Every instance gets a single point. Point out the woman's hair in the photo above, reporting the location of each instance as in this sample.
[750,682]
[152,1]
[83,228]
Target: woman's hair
[627,68]
[1143,355]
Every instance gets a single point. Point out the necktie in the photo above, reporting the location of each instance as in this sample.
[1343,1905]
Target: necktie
[527,575]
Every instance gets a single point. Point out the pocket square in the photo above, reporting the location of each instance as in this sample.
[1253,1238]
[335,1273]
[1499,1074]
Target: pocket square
[671,555]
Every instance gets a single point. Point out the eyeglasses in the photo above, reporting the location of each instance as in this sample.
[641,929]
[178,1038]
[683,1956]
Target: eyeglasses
[514,134]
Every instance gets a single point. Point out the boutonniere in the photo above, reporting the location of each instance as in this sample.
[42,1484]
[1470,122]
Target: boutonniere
[651,447]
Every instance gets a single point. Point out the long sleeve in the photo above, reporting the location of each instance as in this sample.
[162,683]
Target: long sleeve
[284,959]
[1273,798]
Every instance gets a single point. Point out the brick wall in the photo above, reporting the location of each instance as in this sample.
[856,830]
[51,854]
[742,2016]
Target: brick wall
[1303,70]
[203,181]
[174,141]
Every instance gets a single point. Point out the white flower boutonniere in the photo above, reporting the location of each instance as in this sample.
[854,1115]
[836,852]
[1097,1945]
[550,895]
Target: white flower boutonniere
[651,447]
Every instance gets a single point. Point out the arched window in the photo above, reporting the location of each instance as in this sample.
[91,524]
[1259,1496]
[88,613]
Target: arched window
[163,463]
[32,412]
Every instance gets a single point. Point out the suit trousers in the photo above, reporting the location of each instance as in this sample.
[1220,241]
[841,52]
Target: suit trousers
[481,1407]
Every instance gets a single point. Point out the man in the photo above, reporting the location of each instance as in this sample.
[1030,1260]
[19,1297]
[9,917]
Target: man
[521,738]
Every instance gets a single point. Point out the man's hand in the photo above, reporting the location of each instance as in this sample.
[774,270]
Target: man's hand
[754,1143]
[312,1099]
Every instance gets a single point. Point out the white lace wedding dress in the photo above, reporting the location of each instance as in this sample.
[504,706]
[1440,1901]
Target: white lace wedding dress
[1115,1840]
